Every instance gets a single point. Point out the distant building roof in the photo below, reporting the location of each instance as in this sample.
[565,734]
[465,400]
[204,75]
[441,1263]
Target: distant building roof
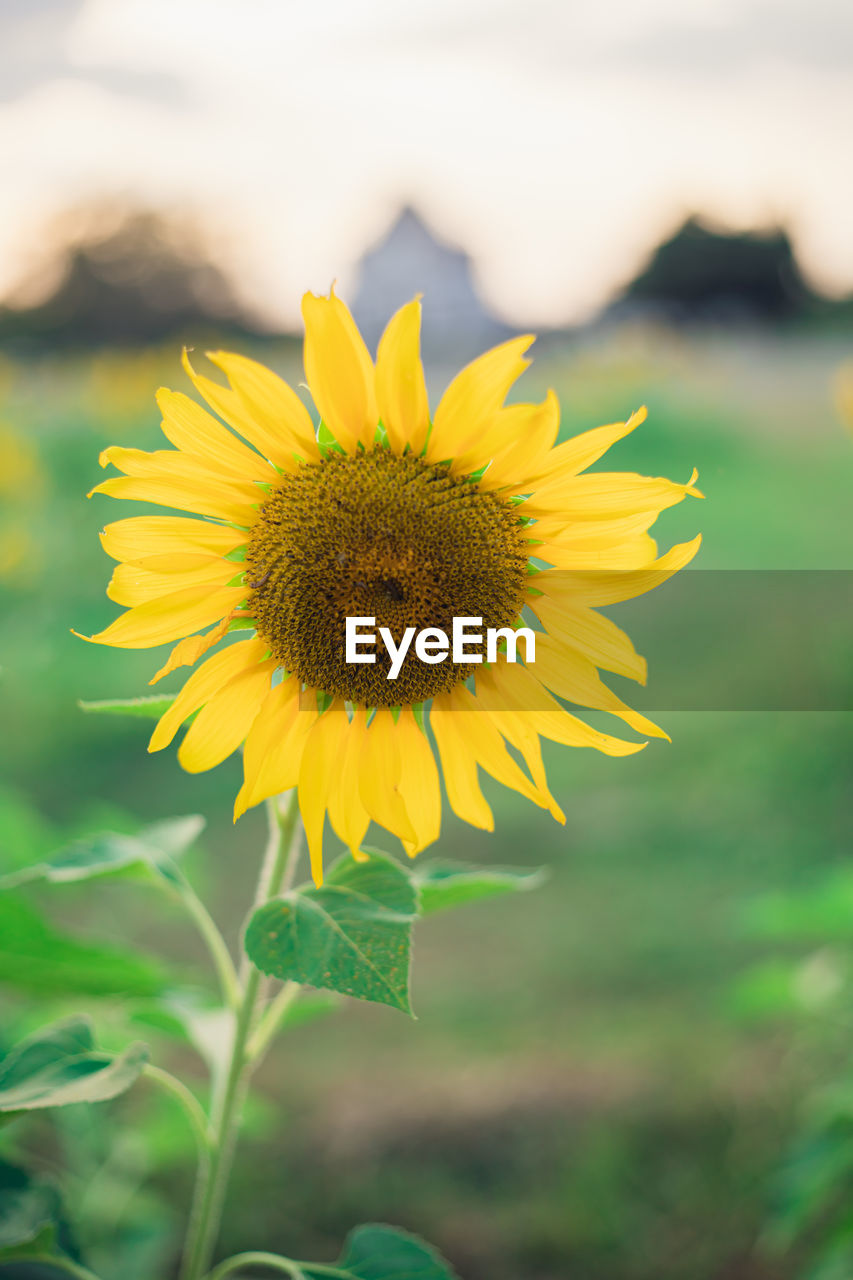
[409,259]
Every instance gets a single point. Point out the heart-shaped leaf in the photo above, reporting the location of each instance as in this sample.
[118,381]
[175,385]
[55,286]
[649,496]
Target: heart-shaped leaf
[376,1252]
[110,854]
[449,884]
[352,935]
[59,1065]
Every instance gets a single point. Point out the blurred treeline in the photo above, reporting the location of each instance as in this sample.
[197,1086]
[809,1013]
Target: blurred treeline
[112,275]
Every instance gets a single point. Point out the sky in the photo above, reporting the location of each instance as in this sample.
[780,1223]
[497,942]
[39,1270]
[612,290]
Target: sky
[556,141]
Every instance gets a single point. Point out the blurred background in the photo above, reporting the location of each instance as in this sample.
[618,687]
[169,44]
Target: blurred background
[641,1072]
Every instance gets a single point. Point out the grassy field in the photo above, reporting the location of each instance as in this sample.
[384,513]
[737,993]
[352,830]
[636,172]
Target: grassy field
[584,1096]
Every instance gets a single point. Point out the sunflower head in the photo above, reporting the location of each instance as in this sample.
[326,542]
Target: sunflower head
[375,508]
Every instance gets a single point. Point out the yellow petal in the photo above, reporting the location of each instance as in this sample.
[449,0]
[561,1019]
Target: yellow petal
[347,814]
[605,494]
[510,686]
[270,754]
[591,634]
[272,404]
[599,589]
[379,777]
[401,392]
[591,534]
[140,536]
[195,431]
[172,464]
[268,731]
[459,767]
[574,678]
[224,721]
[170,617]
[633,553]
[203,684]
[188,651]
[317,773]
[131,585]
[583,450]
[474,396]
[232,409]
[206,500]
[487,745]
[339,371]
[517,436]
[419,783]
[517,730]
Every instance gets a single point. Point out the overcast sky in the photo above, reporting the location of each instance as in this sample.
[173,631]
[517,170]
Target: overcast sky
[555,140]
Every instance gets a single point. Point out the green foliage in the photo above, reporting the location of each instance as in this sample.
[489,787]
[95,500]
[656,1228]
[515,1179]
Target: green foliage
[147,708]
[452,884]
[352,935]
[60,1065]
[28,1213]
[35,957]
[375,1252]
[109,853]
[822,911]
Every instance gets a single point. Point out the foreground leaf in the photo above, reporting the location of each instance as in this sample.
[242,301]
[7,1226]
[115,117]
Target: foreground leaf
[147,708]
[34,957]
[59,1065]
[352,935]
[28,1212]
[376,1252]
[109,853]
[452,884]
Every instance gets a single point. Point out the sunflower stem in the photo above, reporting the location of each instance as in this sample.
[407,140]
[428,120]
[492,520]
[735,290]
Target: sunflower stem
[277,872]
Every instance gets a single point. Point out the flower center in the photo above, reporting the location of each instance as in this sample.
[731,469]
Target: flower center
[381,536]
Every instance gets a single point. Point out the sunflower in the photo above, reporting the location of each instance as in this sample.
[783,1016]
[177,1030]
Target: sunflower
[380,511]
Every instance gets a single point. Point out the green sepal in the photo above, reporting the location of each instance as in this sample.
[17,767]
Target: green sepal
[147,708]
[326,441]
[453,884]
[351,935]
[59,1065]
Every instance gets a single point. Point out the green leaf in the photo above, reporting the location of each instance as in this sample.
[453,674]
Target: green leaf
[147,708]
[59,1065]
[28,1212]
[352,935]
[449,884]
[108,853]
[376,1252]
[34,957]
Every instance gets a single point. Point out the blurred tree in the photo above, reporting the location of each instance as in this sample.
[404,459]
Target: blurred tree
[121,276]
[703,273]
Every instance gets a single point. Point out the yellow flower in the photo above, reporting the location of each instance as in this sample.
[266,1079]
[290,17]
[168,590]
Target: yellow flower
[384,513]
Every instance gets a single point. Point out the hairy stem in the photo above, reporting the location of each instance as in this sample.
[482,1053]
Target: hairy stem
[276,874]
[194,1112]
[242,1261]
